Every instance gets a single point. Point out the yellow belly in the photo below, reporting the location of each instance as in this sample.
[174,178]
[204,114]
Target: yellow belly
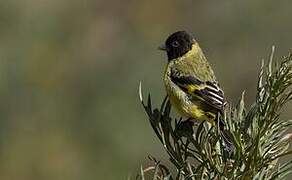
[185,107]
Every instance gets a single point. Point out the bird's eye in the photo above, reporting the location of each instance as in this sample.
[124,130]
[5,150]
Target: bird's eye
[175,44]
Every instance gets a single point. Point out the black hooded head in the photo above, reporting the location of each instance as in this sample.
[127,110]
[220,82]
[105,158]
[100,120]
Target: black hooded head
[178,44]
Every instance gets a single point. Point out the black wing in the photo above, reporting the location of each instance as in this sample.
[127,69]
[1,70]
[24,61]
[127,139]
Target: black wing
[208,91]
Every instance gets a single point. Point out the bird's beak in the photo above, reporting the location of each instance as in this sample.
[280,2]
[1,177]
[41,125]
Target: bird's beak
[162,47]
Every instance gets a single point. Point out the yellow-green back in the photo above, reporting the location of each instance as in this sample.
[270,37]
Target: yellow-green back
[193,63]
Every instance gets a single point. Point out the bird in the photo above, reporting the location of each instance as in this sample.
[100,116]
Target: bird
[189,80]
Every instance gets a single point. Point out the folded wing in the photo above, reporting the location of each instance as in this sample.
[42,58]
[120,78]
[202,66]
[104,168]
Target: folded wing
[208,91]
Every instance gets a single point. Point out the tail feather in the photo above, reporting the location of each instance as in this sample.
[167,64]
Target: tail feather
[226,135]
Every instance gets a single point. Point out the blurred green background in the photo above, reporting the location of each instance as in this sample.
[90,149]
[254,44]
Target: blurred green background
[70,69]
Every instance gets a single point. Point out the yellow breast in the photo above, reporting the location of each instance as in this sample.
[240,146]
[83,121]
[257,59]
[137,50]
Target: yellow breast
[181,101]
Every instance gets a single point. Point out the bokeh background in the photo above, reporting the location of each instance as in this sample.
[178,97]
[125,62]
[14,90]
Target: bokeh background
[70,69]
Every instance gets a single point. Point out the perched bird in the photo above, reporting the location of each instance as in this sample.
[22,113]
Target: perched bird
[189,80]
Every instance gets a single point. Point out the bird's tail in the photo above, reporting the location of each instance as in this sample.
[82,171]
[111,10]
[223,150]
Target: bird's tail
[226,135]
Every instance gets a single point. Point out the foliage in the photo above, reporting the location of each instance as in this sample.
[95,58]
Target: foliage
[259,135]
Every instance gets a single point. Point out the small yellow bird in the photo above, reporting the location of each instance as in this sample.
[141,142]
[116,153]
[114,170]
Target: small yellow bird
[190,81]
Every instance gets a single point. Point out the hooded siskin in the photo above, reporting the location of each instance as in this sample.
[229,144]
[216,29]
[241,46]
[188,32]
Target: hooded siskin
[189,79]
